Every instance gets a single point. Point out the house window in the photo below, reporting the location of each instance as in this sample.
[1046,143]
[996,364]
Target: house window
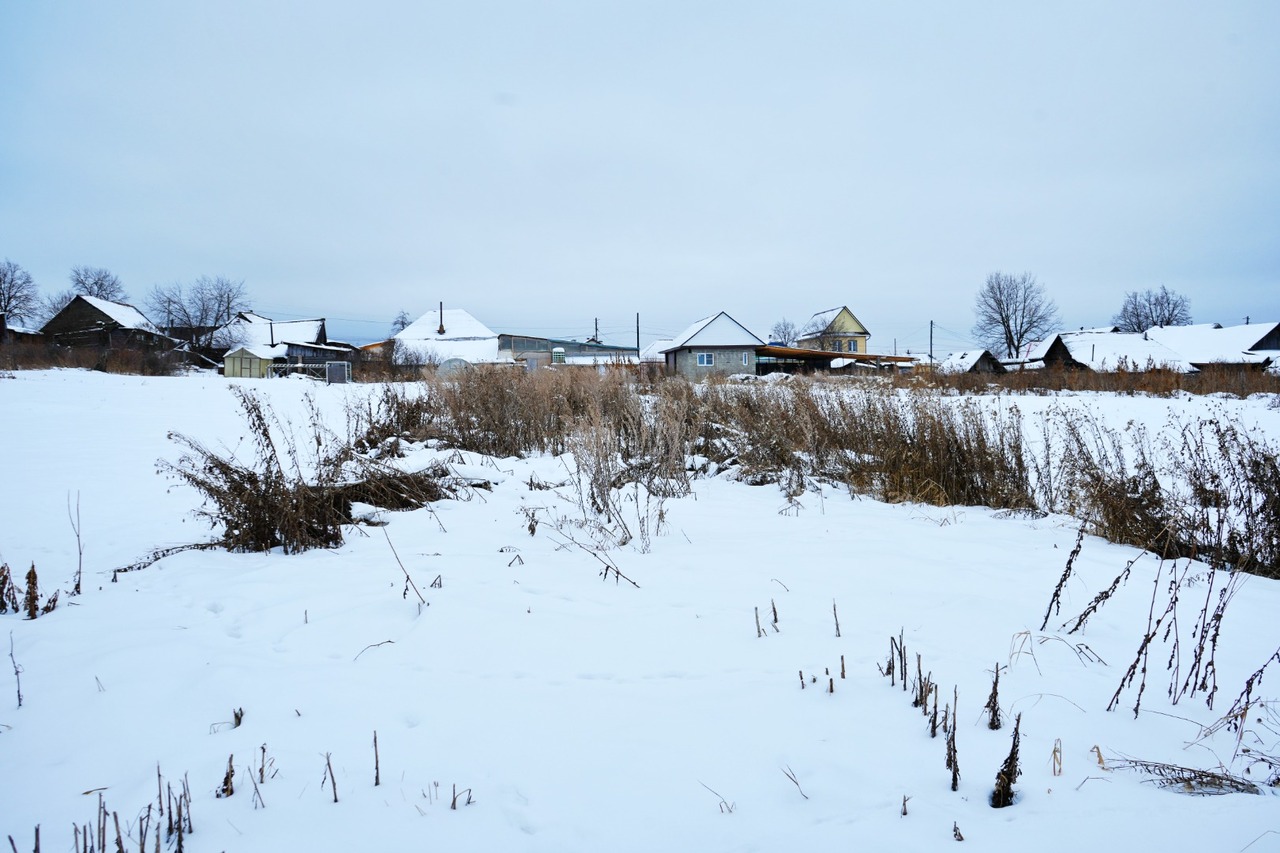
[853,345]
[706,359]
[746,359]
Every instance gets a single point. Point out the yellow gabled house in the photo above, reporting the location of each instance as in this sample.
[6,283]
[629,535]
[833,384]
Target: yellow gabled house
[835,330]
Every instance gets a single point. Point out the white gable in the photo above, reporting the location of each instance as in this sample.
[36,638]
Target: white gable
[720,330]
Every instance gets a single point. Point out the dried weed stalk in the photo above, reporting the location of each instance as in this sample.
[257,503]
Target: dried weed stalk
[1003,795]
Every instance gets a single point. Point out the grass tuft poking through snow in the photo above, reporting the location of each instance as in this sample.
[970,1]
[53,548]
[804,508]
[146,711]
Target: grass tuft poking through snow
[1003,795]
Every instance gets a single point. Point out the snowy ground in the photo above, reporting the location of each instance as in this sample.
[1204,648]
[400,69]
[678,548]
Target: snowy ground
[583,715]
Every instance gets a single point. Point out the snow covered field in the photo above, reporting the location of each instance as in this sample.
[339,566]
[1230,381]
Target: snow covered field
[583,714]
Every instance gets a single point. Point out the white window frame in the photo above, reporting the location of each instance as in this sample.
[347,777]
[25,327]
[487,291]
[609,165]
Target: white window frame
[706,359]
[746,359]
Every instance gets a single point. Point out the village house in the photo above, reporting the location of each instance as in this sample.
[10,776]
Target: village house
[834,330]
[721,346]
[1049,353]
[447,339]
[17,334]
[653,352]
[1250,345]
[714,346]
[1180,349]
[971,361]
[260,347]
[87,321]
[1108,350]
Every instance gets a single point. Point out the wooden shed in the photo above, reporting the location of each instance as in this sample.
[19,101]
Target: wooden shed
[251,362]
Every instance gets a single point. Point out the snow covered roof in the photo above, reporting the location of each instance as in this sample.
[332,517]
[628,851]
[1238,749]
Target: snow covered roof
[961,362]
[1103,351]
[654,351]
[458,325]
[923,359]
[1207,343]
[251,329]
[126,316]
[464,337]
[1037,350]
[820,324]
[263,351]
[719,330]
[824,318]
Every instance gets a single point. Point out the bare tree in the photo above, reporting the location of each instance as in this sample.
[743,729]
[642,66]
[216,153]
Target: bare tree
[407,355]
[19,298]
[52,304]
[401,322]
[784,332]
[1012,310]
[813,326]
[97,282]
[196,312]
[1142,311]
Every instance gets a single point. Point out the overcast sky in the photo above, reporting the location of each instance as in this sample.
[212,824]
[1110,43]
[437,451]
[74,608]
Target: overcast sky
[545,164]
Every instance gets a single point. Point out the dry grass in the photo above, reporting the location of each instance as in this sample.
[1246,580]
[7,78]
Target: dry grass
[896,447]
[28,356]
[1226,490]
[1212,380]
[1207,489]
[1003,794]
[276,499]
[1188,780]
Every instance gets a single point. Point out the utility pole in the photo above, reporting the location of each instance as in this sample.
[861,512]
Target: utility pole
[931,342]
[637,333]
